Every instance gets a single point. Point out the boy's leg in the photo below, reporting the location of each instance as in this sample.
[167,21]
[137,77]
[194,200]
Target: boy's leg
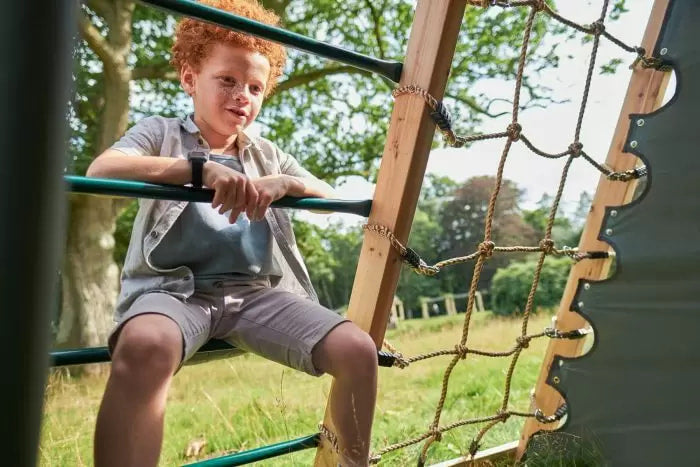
[350,356]
[301,334]
[129,428]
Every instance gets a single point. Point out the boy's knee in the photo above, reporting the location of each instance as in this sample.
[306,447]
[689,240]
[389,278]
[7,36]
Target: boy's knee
[353,352]
[149,349]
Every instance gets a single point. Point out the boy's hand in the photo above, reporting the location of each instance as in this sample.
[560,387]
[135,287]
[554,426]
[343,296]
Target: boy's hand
[269,188]
[233,190]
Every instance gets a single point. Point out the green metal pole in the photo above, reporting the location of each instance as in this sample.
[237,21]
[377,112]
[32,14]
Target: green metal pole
[386,68]
[265,452]
[108,186]
[35,45]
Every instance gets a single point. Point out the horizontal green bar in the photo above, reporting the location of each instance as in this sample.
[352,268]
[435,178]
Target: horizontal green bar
[101,354]
[389,69]
[258,454]
[113,187]
[212,347]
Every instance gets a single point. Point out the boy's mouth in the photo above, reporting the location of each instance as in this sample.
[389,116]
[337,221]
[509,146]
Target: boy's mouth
[238,113]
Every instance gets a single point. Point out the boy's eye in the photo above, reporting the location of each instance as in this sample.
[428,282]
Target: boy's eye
[256,89]
[227,80]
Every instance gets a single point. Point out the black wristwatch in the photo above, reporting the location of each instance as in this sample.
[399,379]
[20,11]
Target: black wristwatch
[197,160]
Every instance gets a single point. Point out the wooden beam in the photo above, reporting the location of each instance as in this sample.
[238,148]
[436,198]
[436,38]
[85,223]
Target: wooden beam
[644,94]
[485,458]
[428,61]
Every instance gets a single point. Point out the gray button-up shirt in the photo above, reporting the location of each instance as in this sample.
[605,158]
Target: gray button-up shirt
[176,137]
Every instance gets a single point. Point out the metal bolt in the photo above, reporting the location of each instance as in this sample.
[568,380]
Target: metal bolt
[640,122]
[561,362]
[633,144]
[613,213]
[608,231]
[580,304]
[556,380]
[664,51]
[587,286]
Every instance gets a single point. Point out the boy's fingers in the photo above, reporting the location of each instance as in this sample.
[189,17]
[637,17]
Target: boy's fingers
[251,200]
[219,198]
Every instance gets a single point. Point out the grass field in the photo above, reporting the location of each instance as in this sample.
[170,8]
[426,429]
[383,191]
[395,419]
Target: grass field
[246,402]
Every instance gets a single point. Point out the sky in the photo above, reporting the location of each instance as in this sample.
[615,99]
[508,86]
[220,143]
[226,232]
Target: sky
[551,129]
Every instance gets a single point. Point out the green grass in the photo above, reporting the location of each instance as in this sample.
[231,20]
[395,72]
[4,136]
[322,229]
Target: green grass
[247,402]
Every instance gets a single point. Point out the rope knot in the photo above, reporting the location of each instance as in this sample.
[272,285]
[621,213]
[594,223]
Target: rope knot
[514,130]
[486,248]
[547,246]
[485,3]
[598,27]
[461,351]
[576,148]
[539,5]
[523,341]
[436,434]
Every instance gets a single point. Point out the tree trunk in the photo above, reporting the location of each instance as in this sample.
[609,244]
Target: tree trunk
[90,276]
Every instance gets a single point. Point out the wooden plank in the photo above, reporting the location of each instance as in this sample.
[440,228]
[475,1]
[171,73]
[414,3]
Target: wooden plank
[428,61]
[485,458]
[644,94]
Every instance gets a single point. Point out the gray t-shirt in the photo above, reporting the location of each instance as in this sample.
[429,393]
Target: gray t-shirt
[205,241]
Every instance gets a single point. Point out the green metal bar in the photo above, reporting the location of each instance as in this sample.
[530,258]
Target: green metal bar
[101,354]
[258,454]
[35,89]
[213,346]
[386,68]
[113,187]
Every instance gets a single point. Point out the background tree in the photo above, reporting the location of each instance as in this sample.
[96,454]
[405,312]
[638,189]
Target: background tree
[332,117]
[463,219]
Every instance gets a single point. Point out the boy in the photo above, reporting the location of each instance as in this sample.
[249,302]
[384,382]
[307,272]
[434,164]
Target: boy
[195,272]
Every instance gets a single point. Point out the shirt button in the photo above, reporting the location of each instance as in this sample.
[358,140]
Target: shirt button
[200,140]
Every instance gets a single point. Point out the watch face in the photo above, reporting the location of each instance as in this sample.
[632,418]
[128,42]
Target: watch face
[197,156]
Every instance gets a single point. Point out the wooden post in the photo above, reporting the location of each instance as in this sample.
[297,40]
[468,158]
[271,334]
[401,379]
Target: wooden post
[427,65]
[479,301]
[401,313]
[424,308]
[644,94]
[450,304]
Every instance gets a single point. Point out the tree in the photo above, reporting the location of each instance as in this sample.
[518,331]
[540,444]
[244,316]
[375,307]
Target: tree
[463,220]
[331,116]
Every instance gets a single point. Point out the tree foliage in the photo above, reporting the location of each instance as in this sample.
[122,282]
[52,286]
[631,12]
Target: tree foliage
[512,284]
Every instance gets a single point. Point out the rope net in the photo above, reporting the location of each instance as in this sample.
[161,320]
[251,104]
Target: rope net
[512,134]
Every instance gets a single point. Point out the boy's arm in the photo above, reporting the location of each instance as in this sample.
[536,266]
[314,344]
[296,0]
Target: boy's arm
[113,163]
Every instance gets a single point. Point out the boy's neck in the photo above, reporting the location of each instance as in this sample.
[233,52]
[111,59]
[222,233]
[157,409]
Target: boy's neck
[220,144]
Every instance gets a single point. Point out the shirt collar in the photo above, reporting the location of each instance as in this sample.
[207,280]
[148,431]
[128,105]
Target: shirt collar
[243,140]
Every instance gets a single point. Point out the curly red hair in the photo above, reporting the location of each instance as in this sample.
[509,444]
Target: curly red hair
[194,38]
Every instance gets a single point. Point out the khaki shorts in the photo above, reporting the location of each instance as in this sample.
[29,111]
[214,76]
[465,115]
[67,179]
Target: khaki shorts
[275,324]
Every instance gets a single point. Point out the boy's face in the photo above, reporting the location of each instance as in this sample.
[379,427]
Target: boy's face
[227,90]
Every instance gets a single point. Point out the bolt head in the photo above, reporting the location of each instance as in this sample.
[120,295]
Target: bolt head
[663,51]
[633,144]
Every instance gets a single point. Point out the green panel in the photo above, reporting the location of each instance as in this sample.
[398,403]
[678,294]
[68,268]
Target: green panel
[265,452]
[388,69]
[113,187]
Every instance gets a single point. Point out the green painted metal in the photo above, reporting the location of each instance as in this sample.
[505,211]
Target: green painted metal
[386,68]
[258,454]
[101,354]
[214,348]
[113,187]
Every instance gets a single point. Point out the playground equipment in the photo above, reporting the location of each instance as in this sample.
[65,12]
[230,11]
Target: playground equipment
[449,302]
[598,398]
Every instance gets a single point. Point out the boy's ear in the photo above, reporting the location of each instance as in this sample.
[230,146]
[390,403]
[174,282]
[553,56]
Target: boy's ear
[188,79]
